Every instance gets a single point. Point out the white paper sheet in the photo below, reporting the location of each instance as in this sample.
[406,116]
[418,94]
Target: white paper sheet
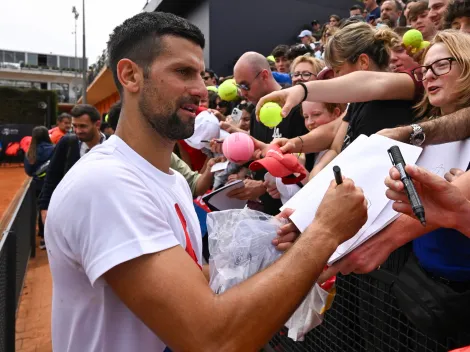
[219,199]
[220,166]
[366,161]
[436,158]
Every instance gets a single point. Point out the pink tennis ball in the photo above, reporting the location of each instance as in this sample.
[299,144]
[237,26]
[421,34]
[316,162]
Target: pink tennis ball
[238,148]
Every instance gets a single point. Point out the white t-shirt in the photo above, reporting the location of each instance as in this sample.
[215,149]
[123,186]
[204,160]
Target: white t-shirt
[111,207]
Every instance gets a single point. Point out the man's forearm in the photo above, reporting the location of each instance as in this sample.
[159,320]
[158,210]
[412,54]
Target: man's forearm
[449,128]
[204,183]
[246,318]
[445,129]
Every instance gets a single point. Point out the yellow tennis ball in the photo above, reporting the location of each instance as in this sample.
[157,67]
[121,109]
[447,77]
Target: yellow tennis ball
[212,89]
[270,114]
[271,58]
[228,90]
[424,44]
[413,38]
[106,118]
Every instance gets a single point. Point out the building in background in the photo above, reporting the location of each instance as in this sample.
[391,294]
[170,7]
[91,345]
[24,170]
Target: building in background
[232,27]
[58,73]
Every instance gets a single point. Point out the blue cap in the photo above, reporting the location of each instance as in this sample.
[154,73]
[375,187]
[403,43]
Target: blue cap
[305,33]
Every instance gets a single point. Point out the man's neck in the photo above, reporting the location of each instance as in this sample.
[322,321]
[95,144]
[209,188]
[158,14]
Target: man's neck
[95,141]
[142,138]
[272,86]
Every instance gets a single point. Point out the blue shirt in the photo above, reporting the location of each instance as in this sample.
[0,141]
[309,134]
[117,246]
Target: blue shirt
[282,78]
[444,253]
[375,13]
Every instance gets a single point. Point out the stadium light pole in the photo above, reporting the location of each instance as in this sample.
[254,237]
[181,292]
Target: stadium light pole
[84,57]
[75,12]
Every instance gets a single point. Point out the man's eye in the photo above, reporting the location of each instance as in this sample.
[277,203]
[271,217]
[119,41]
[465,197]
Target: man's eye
[183,71]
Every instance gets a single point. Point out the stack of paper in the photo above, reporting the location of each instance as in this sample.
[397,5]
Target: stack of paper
[366,161]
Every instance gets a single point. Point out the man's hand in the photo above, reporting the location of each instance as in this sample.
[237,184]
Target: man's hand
[216,146]
[272,190]
[453,174]
[287,98]
[43,216]
[214,161]
[401,134]
[364,259]
[443,202]
[252,191]
[414,53]
[287,234]
[343,210]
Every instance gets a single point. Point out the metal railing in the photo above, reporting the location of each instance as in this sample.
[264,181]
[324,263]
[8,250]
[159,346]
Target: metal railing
[17,245]
[365,317]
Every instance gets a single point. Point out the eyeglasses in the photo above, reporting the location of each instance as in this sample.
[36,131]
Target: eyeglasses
[222,104]
[438,68]
[305,75]
[247,87]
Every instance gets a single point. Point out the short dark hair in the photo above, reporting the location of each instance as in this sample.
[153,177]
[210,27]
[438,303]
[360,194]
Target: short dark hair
[455,10]
[416,9]
[314,23]
[62,116]
[113,115]
[212,74]
[336,17]
[355,7]
[138,39]
[280,50]
[86,109]
[298,50]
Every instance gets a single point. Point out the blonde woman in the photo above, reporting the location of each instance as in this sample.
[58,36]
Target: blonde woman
[305,69]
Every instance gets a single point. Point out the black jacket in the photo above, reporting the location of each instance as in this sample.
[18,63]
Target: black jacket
[68,146]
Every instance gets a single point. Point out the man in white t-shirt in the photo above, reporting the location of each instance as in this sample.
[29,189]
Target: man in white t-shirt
[126,265]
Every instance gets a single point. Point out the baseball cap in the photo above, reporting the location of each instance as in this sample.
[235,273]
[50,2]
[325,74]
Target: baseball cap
[206,127]
[280,165]
[305,33]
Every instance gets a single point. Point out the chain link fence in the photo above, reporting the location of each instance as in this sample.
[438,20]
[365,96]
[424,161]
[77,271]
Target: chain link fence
[365,317]
[17,244]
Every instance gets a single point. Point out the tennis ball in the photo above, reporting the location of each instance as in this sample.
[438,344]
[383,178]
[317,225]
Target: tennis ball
[228,90]
[238,147]
[270,114]
[413,38]
[271,58]
[212,89]
[424,44]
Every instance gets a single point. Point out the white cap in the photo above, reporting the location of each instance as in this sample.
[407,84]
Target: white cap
[305,33]
[206,127]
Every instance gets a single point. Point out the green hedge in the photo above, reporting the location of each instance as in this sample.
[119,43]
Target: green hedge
[26,106]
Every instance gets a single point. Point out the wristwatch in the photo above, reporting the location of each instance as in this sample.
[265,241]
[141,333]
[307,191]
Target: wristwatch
[417,137]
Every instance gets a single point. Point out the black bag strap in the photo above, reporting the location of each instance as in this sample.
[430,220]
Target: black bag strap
[72,141]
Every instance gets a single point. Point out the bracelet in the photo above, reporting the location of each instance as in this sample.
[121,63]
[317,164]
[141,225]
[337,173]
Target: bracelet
[302,146]
[305,90]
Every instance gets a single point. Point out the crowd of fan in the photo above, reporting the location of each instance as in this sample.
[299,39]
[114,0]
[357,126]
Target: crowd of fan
[361,79]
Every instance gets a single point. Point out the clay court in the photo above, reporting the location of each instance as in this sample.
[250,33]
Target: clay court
[33,333]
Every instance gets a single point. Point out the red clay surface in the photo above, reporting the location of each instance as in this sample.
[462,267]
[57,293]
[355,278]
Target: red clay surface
[33,321]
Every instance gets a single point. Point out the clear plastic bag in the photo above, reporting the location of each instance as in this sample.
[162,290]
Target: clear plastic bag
[240,246]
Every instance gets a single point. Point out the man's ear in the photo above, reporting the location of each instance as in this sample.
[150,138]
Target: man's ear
[129,75]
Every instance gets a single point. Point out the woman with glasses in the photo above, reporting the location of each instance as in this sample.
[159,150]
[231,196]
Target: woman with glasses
[305,69]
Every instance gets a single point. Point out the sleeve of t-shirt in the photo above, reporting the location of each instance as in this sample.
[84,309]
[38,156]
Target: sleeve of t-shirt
[347,117]
[419,88]
[121,221]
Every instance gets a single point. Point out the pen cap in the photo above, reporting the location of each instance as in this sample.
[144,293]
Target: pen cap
[395,155]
